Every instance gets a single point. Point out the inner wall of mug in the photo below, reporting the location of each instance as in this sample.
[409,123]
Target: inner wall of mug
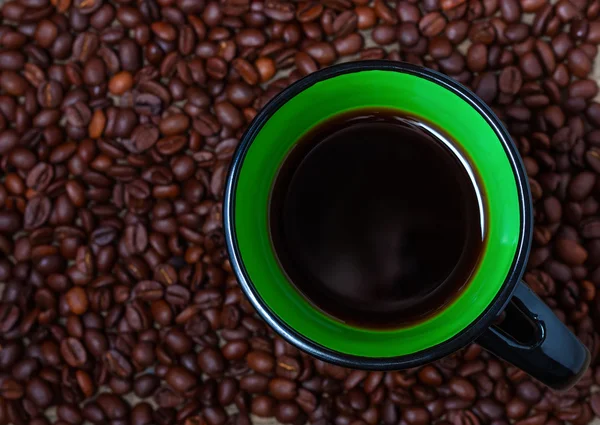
[416,96]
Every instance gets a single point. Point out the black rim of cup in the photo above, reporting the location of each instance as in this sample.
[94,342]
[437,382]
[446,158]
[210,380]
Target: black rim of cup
[471,332]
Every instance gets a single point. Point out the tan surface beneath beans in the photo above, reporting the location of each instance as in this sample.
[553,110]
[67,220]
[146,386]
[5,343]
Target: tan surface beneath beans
[368,43]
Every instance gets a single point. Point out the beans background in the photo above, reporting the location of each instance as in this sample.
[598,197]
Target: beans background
[118,120]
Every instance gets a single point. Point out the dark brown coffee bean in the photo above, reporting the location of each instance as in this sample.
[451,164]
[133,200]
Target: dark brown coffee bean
[78,115]
[463,388]
[260,361]
[11,389]
[440,47]
[415,415]
[511,10]
[345,23]
[477,57]
[482,32]
[40,392]
[288,367]
[263,406]
[85,45]
[228,115]
[453,64]
[40,177]
[322,52]
[180,379]
[77,300]
[287,412]
[37,212]
[21,158]
[384,34]
[408,34]
[432,24]
[50,94]
[211,361]
[73,352]
[254,383]
[456,31]
[279,10]
[282,389]
[579,63]
[344,46]
[384,12]
[570,252]
[12,83]
[117,364]
[12,60]
[429,375]
[309,11]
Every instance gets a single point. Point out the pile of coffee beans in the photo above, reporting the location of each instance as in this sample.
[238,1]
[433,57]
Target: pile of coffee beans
[118,119]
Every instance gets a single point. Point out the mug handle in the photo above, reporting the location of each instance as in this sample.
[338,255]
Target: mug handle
[550,353]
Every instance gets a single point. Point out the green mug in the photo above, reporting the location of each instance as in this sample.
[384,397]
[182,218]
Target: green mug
[551,353]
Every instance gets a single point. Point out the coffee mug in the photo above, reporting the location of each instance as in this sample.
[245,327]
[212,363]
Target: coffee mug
[548,351]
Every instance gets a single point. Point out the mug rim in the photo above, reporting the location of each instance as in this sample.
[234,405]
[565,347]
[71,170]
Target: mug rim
[470,332]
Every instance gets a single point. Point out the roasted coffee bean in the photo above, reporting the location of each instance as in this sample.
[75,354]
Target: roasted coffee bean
[432,24]
[282,389]
[180,379]
[73,352]
[260,361]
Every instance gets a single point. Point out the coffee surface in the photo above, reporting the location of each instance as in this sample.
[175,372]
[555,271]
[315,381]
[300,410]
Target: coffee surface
[376,220]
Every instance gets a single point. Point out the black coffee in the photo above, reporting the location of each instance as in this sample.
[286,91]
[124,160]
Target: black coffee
[376,219]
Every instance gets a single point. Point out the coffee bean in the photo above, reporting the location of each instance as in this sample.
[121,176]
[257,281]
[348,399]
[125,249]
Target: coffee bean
[11,389]
[383,11]
[462,388]
[287,412]
[432,24]
[529,392]
[78,115]
[366,17]
[279,11]
[384,34]
[39,391]
[263,406]
[344,46]
[12,83]
[12,60]
[530,66]
[228,115]
[260,361]
[49,94]
[430,376]
[570,252]
[77,300]
[415,415]
[177,295]
[408,34]
[37,212]
[323,53]
[282,389]
[73,352]
[477,57]
[581,185]
[578,63]
[254,383]
[211,361]
[40,177]
[180,379]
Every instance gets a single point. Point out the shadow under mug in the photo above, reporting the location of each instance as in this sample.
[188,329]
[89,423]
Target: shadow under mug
[553,355]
